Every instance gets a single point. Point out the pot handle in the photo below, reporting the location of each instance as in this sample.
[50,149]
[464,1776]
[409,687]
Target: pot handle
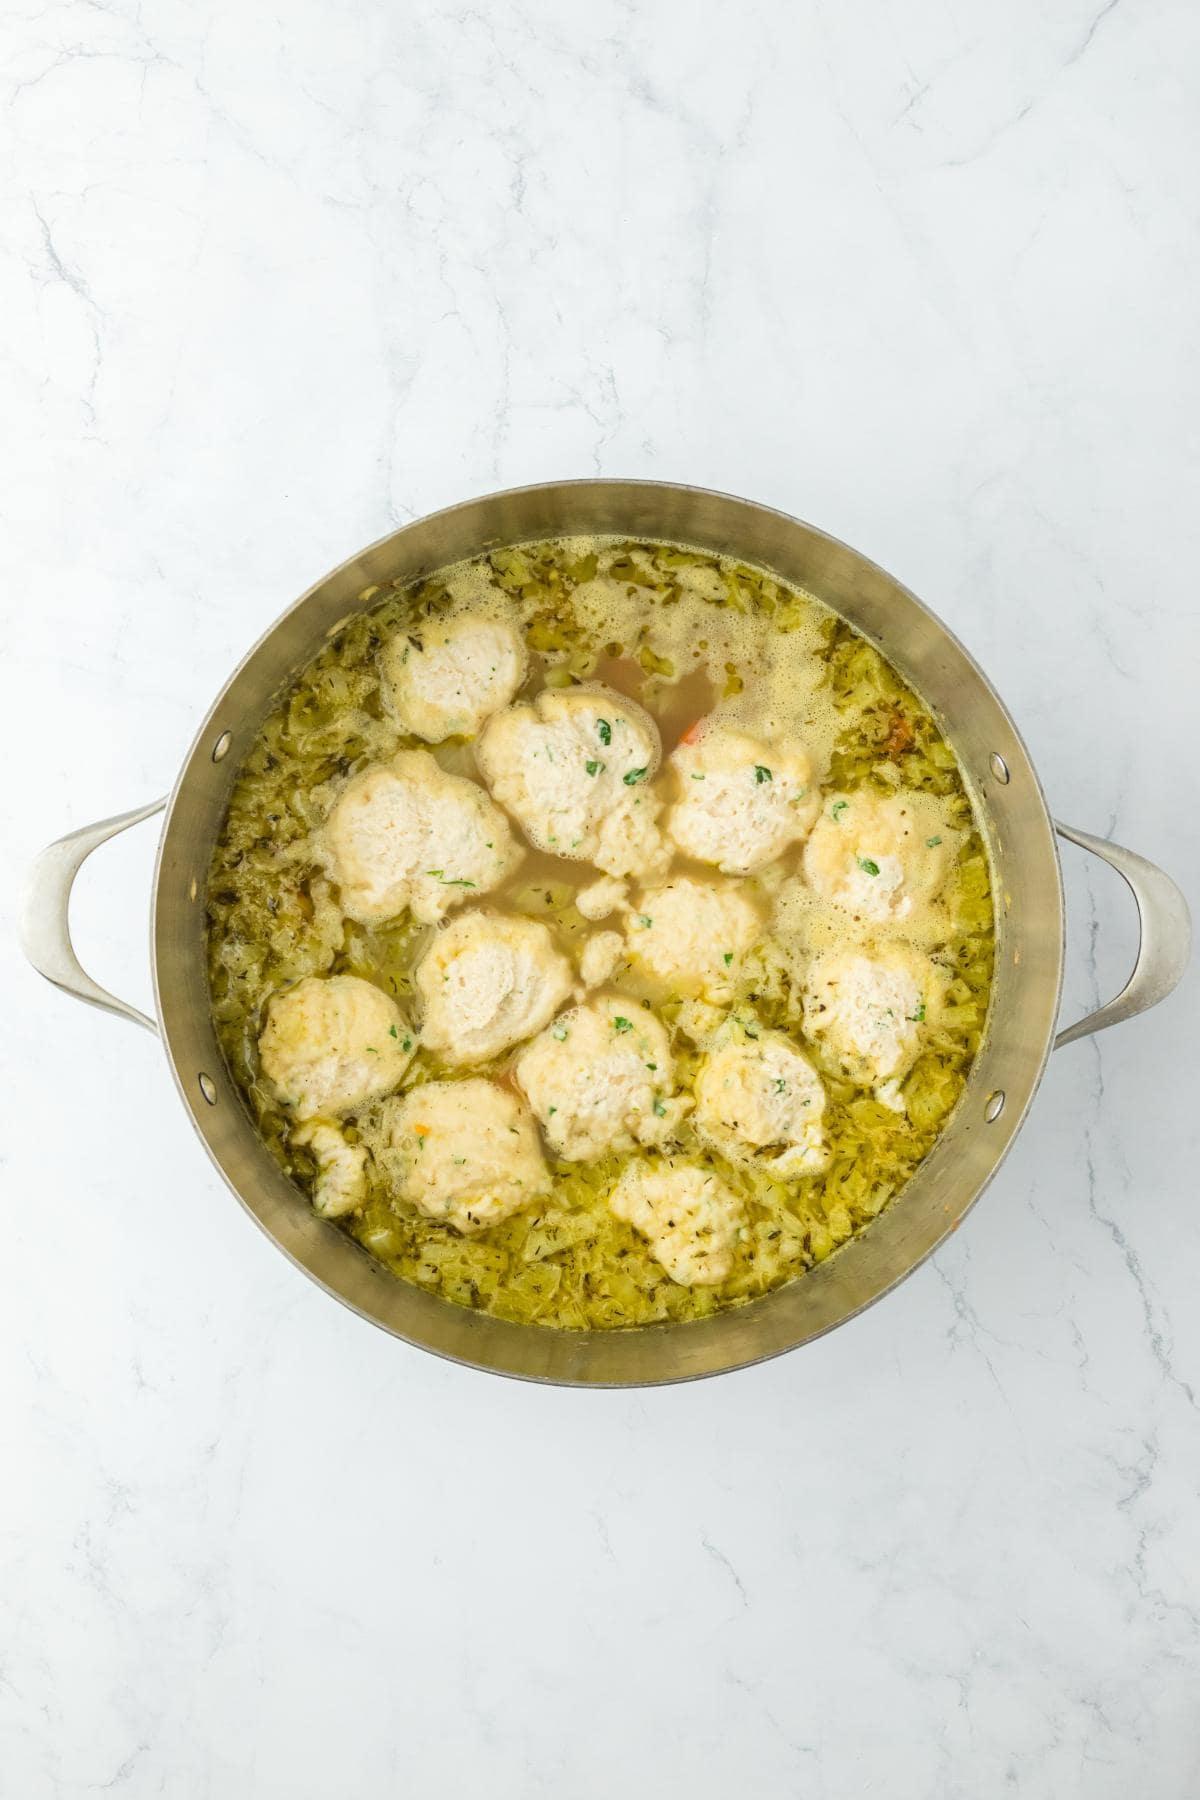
[46,921]
[1165,935]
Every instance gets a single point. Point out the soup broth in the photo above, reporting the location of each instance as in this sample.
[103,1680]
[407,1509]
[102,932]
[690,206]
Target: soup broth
[703,644]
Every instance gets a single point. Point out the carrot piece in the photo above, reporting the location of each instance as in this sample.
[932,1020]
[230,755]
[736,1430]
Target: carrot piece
[900,737]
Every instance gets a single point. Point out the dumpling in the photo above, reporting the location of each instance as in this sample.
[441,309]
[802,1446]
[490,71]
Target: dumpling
[601,898]
[688,1216]
[740,802]
[600,1078]
[487,981]
[465,1152]
[690,935]
[446,676]
[332,1044]
[573,769]
[865,1012]
[341,1183]
[601,953]
[877,855]
[759,1100]
[406,834]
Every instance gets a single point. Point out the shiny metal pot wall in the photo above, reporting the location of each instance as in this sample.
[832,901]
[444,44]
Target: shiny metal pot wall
[1030,934]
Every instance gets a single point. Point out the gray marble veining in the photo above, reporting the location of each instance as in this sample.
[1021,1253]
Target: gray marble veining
[275,281]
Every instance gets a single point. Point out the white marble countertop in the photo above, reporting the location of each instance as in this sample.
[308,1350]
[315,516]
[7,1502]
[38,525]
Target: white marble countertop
[276,281]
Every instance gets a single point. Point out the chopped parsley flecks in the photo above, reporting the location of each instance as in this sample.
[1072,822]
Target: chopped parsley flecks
[653,1066]
[550,1111]
[660,1111]
[560,1034]
[727,957]
[449,880]
[697,778]
[932,843]
[634,776]
[604,731]
[780,1085]
[593,768]
[761,773]
[838,808]
[620,1024]
[392,1032]
[918,1018]
[868,865]
[645,921]
[407,1044]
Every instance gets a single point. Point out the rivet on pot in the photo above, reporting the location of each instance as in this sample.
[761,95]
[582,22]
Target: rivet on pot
[193,888]
[221,747]
[208,1088]
[999,767]
[994,1107]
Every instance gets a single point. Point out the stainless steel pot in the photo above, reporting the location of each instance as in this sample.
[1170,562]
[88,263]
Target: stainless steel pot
[1030,932]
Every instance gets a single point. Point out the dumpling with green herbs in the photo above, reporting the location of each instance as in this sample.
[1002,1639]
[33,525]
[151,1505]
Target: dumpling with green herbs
[601,1078]
[865,1014]
[444,677]
[487,981]
[464,1153]
[690,1219]
[406,836]
[740,801]
[574,768]
[690,935]
[759,1101]
[331,1044]
[879,856]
